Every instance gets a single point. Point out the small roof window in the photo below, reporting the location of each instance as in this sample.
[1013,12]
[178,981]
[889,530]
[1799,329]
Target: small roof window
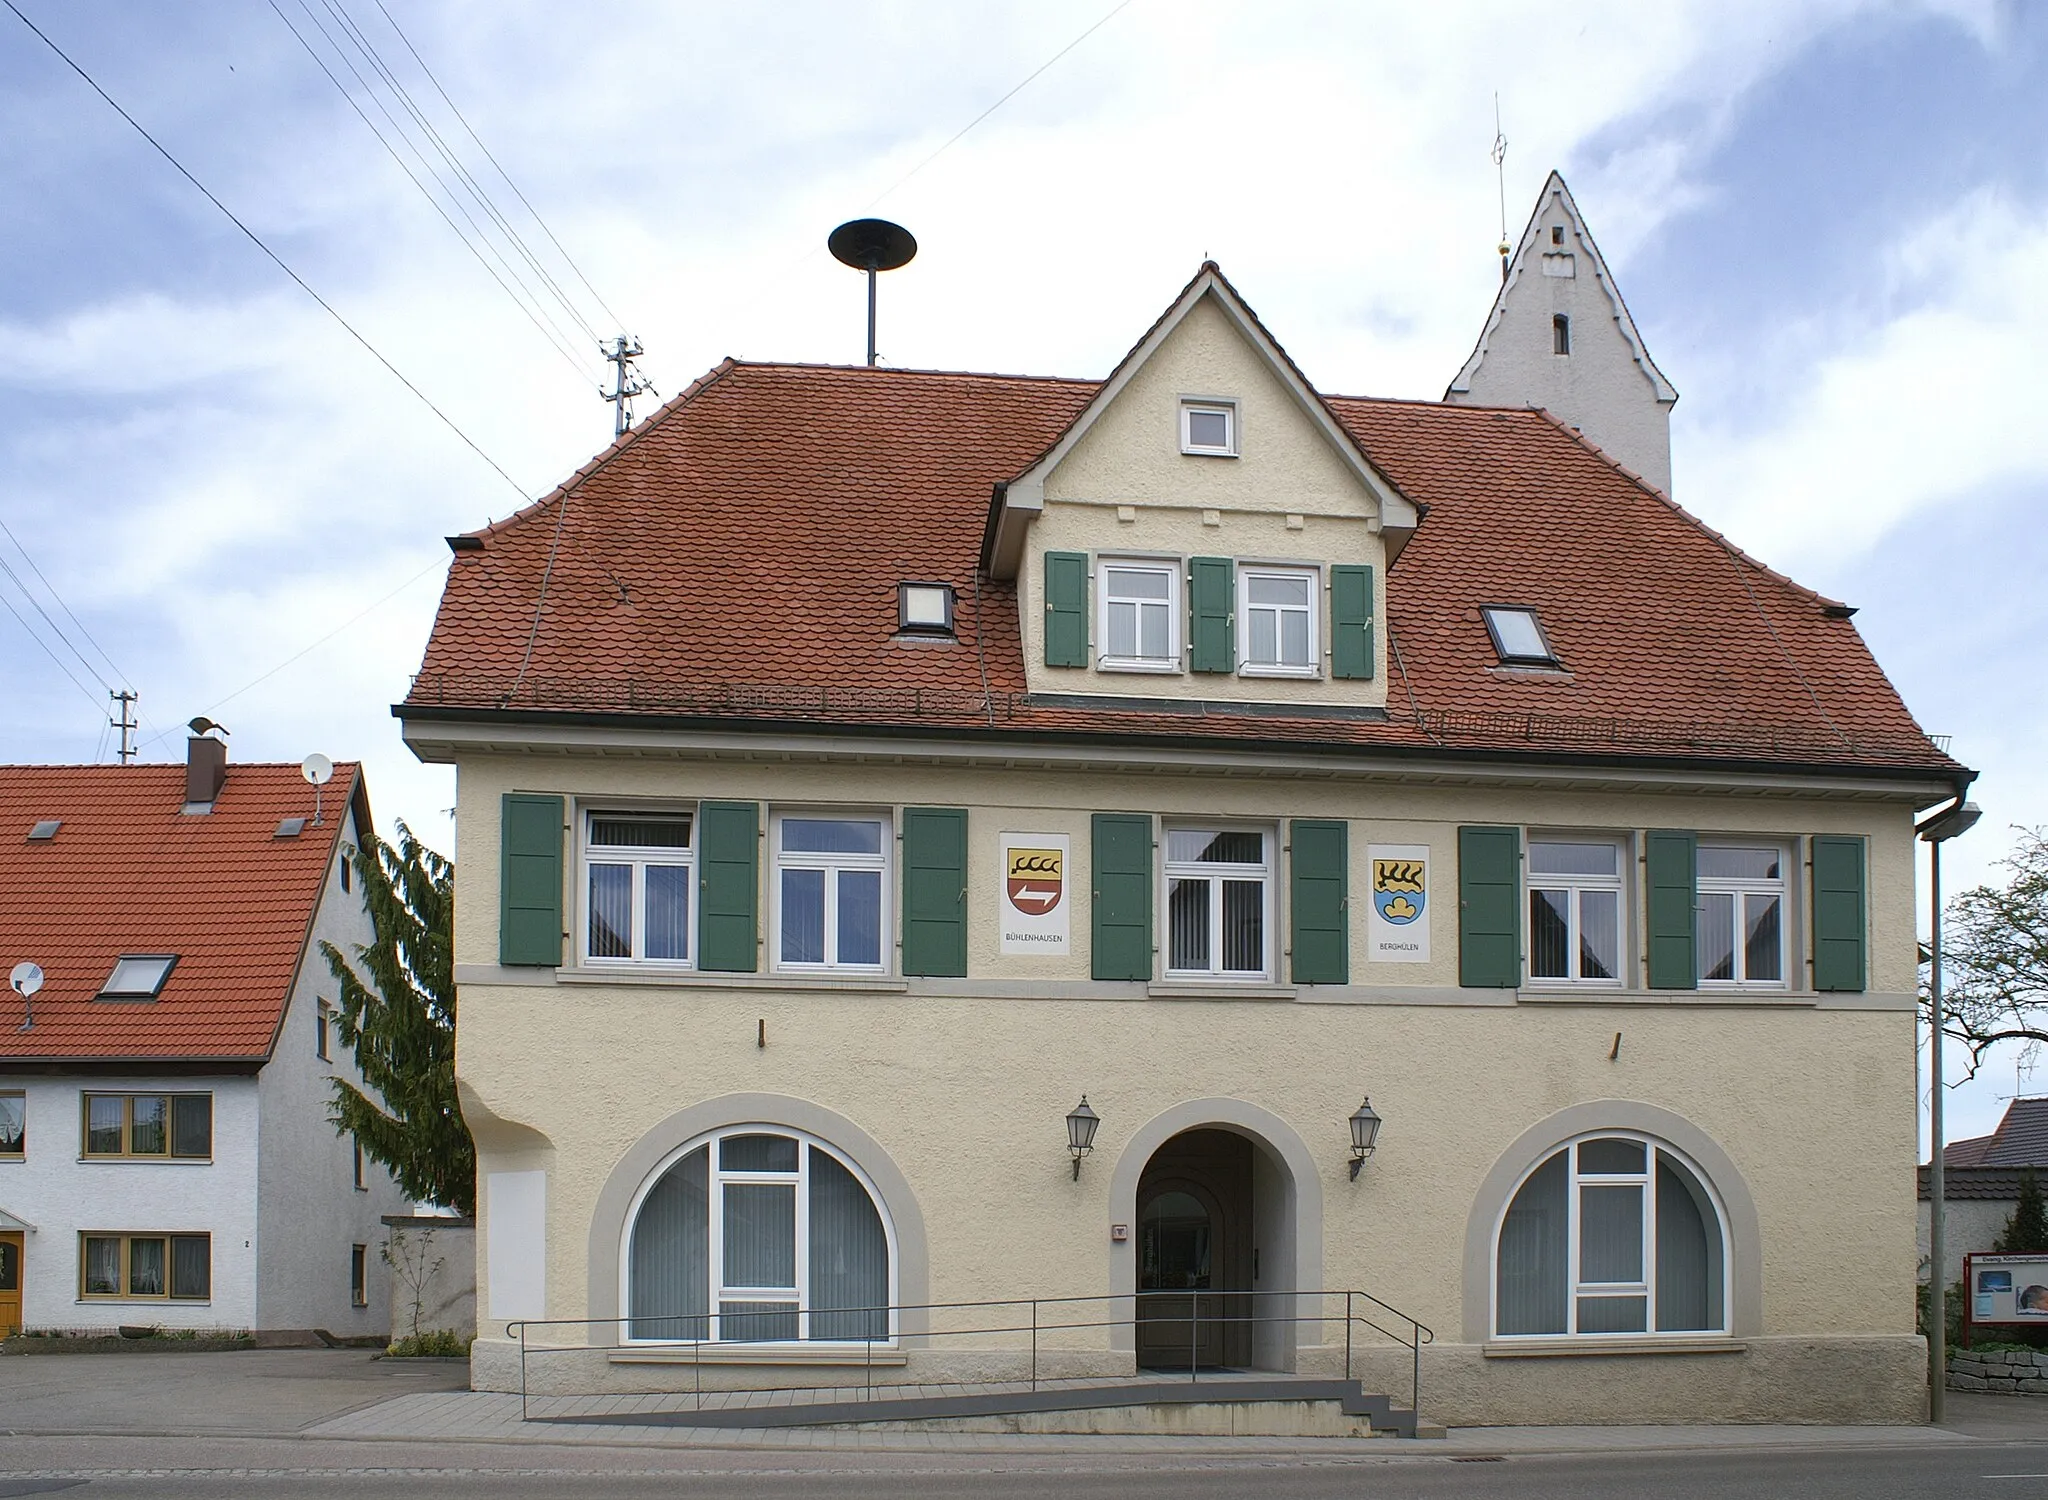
[44,830]
[924,608]
[138,976]
[1517,637]
[290,828]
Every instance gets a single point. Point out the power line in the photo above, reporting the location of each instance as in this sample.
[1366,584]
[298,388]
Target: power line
[55,629]
[274,257]
[392,20]
[954,139]
[25,557]
[90,695]
[462,173]
[342,89]
[311,646]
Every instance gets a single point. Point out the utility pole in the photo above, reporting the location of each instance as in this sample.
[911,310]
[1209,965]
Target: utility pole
[627,382]
[125,723]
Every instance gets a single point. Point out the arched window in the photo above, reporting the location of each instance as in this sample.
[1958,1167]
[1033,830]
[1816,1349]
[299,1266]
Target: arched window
[1611,1234]
[759,1234]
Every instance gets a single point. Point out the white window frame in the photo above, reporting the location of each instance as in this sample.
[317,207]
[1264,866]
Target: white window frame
[1266,873]
[589,853]
[718,1291]
[1176,610]
[1576,886]
[1227,407]
[831,864]
[1740,888]
[1647,1288]
[1246,572]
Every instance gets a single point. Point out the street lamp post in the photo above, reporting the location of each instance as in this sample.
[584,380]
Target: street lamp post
[1956,819]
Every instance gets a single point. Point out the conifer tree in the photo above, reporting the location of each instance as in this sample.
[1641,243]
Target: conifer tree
[400,1023]
[2026,1232]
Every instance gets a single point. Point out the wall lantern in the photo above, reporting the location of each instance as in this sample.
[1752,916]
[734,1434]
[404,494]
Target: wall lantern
[1081,1123]
[1365,1132]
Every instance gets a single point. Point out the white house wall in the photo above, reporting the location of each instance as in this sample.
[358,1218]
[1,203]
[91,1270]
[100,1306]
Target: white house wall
[64,1196]
[311,1212]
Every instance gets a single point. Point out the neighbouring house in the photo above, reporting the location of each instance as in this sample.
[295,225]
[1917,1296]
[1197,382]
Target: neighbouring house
[165,1154]
[858,767]
[1982,1181]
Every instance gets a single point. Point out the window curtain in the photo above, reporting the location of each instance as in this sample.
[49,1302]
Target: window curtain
[668,1268]
[849,1256]
[103,1267]
[1533,1276]
[191,1266]
[1688,1253]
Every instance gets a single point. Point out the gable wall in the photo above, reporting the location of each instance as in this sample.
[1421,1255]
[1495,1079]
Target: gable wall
[1288,497]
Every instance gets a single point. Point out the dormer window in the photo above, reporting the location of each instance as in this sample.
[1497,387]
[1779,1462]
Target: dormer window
[1208,428]
[1518,638]
[138,976]
[924,608]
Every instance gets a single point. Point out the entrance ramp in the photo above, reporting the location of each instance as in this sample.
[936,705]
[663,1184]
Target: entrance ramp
[1222,1403]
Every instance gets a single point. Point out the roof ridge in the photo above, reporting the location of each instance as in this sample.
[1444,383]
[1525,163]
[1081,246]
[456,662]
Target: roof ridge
[918,370]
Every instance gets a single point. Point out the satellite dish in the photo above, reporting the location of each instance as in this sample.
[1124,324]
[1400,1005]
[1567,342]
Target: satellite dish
[26,979]
[317,769]
[872,245]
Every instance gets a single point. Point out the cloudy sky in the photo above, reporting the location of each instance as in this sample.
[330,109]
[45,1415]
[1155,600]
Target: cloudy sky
[1830,220]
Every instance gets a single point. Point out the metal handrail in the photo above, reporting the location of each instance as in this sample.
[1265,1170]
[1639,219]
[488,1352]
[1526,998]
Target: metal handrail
[1418,1333]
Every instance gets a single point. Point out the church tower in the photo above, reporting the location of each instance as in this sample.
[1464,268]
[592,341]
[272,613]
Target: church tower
[1561,338]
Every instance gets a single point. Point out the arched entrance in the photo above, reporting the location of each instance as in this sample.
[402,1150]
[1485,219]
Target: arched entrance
[1215,1254]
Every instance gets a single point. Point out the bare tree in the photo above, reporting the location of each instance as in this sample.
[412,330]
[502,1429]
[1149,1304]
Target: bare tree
[1995,955]
[415,1266]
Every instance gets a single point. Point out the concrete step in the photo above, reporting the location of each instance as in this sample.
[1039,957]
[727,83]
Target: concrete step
[1266,1406]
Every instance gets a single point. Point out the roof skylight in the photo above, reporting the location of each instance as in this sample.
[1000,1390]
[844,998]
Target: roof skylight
[138,976]
[290,828]
[1518,638]
[924,608]
[44,830]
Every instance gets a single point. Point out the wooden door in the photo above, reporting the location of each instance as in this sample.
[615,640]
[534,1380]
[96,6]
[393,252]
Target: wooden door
[10,1284]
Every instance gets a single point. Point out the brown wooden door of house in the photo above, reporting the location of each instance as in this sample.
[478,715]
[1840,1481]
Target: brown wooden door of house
[10,1284]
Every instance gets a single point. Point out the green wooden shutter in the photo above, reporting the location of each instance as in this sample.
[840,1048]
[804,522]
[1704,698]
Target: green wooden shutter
[1318,901]
[1838,913]
[1066,609]
[1351,613]
[530,880]
[1672,860]
[1212,612]
[728,886]
[1489,907]
[935,891]
[1122,870]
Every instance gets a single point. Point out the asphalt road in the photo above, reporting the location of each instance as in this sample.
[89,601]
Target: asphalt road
[363,1471]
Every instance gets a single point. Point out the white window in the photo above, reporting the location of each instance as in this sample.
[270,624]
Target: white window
[759,1235]
[1518,637]
[640,872]
[1139,629]
[1209,428]
[1276,612]
[138,976]
[1575,910]
[831,891]
[1742,915]
[1218,898]
[1613,1234]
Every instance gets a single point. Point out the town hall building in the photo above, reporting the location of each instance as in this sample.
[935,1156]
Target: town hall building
[1197,851]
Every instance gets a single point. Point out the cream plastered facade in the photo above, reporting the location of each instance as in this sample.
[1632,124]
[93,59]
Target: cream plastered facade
[1127,490]
[1797,1106]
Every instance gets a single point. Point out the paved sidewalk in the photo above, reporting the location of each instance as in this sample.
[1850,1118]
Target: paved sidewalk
[477,1416]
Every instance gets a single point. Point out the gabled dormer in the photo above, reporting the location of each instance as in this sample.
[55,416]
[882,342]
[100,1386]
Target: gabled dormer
[1204,530]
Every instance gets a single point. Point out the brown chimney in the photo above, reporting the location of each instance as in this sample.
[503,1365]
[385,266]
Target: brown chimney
[206,768]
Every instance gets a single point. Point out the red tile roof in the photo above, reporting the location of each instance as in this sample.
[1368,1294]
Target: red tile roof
[130,872]
[735,559]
